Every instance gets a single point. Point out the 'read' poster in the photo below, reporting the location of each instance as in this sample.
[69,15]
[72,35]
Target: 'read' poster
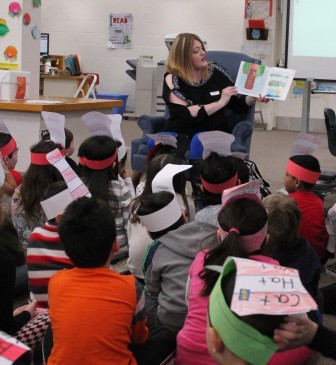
[120,30]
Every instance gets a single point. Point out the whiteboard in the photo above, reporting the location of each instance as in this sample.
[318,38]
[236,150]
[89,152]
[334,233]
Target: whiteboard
[311,39]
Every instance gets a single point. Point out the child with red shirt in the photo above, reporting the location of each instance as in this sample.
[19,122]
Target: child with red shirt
[302,173]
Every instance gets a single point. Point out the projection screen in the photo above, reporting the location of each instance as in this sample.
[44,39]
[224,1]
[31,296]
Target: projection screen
[311,39]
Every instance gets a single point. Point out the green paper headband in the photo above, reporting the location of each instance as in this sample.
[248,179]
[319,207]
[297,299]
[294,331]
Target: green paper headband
[242,339]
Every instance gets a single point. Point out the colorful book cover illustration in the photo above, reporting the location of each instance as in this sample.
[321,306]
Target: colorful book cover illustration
[271,82]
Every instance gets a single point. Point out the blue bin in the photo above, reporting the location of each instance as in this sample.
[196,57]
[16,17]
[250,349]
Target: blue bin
[118,109]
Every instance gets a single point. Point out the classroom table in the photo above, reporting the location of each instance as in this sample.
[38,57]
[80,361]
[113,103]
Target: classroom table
[24,120]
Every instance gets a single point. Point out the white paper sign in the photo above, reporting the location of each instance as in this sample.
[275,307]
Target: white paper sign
[216,141]
[165,139]
[163,181]
[250,188]
[116,134]
[56,204]
[116,127]
[76,186]
[2,173]
[3,127]
[99,124]
[262,288]
[306,144]
[11,350]
[55,123]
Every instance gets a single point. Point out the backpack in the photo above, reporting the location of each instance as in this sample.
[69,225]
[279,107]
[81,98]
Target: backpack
[256,175]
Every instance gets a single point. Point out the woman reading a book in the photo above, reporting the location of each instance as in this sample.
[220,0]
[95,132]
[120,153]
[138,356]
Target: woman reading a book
[198,94]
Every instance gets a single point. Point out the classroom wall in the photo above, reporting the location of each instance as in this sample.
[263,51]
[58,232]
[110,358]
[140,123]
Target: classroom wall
[81,26]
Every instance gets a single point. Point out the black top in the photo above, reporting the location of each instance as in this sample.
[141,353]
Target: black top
[11,255]
[324,342]
[208,91]
[9,323]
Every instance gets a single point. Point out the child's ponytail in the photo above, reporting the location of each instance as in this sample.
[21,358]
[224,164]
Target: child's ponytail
[243,225]
[230,246]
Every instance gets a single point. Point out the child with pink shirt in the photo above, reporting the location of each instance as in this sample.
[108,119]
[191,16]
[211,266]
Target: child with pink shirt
[242,232]
[243,229]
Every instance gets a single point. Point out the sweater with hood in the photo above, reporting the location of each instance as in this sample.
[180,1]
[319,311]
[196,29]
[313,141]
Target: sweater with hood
[167,274]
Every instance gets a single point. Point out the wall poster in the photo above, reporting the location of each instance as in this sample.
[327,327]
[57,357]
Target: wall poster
[120,30]
[258,9]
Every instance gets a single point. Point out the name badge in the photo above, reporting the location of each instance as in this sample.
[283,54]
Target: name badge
[213,93]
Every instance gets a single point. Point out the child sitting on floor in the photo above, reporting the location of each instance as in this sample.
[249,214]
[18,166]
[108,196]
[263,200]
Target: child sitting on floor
[243,229]
[166,265]
[70,148]
[9,157]
[284,243]
[45,253]
[95,312]
[24,323]
[302,173]
[138,237]
[67,139]
[9,151]
[157,205]
[240,324]
[26,210]
[242,233]
[217,174]
[100,174]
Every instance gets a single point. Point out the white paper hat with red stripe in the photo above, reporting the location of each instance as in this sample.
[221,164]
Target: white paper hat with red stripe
[100,124]
[55,123]
[10,146]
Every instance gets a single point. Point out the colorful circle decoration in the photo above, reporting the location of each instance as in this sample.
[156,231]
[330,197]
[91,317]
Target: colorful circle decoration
[3,27]
[14,9]
[26,19]
[10,53]
[36,3]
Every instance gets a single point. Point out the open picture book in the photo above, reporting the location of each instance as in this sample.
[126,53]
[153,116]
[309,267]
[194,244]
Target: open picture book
[271,82]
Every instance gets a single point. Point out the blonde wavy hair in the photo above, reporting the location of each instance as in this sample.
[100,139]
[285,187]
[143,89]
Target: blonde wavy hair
[179,61]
